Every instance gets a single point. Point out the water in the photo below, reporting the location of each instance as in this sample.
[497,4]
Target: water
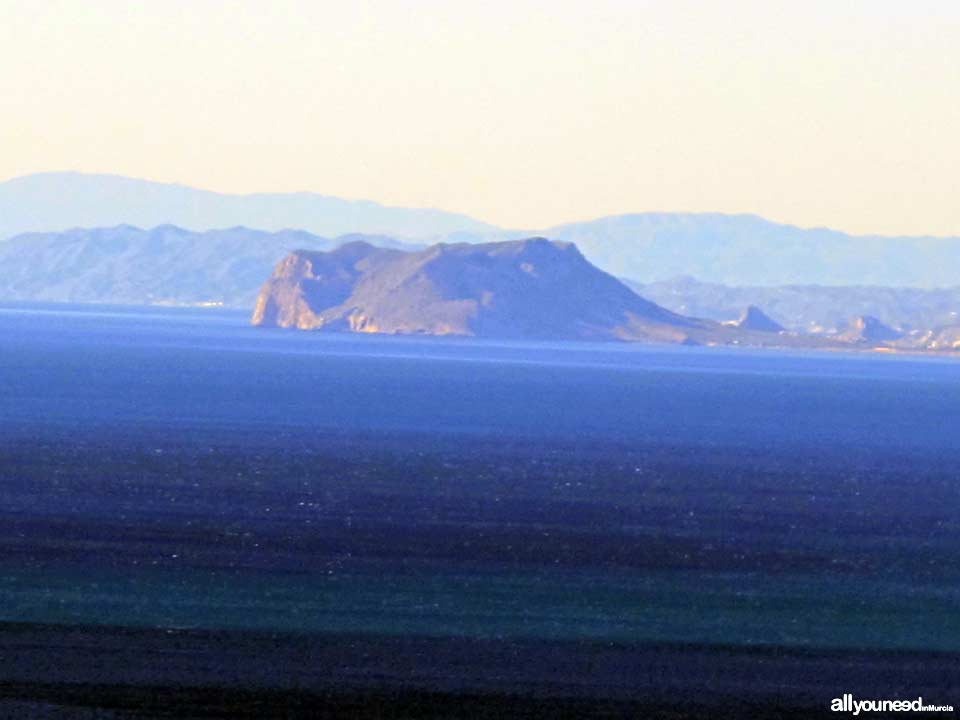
[178,468]
[117,367]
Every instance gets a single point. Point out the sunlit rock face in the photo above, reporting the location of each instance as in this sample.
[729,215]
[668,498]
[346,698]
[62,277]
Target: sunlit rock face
[524,289]
[868,330]
[755,319]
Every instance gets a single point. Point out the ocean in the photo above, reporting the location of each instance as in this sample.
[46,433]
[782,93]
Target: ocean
[183,495]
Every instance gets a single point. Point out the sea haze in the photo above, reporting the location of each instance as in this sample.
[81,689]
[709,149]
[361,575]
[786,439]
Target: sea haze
[179,469]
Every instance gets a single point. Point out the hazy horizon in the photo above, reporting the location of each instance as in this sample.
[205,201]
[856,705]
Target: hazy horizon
[527,115]
[569,221]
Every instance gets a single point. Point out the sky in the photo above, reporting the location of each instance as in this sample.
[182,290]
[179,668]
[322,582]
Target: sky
[843,113]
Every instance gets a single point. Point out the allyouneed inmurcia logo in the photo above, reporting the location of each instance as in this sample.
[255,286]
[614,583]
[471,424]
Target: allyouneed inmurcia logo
[848,704]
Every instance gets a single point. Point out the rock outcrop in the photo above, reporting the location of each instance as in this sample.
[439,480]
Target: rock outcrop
[868,330]
[524,289]
[755,319]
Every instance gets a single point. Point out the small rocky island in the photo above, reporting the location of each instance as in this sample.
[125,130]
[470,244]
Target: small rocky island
[524,289]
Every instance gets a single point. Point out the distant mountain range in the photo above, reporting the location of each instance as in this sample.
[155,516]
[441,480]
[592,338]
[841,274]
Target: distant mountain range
[738,250]
[165,265]
[61,201]
[748,250]
[171,265]
[821,282]
[809,308]
[522,289]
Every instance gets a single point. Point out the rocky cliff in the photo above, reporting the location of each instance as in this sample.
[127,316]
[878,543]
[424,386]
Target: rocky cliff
[524,289]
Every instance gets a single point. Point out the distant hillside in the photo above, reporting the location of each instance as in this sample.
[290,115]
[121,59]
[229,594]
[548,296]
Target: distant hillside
[528,289]
[59,201]
[868,330]
[753,318]
[647,247]
[944,338]
[164,265]
[748,250]
[809,307]
[806,280]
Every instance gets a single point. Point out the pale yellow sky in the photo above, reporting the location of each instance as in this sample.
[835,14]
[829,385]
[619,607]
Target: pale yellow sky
[522,113]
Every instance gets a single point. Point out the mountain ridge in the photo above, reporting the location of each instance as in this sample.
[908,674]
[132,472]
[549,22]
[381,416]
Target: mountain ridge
[531,289]
[808,308]
[751,250]
[732,249]
[522,289]
[163,265]
[56,201]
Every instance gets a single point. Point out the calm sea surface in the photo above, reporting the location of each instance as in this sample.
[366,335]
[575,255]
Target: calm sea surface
[178,468]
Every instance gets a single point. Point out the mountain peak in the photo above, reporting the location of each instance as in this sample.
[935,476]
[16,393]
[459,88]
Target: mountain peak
[753,318]
[870,330]
[521,289]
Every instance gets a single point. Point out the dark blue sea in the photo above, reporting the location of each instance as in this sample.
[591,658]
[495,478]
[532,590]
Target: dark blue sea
[181,473]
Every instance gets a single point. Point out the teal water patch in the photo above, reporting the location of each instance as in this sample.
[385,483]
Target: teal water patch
[663,606]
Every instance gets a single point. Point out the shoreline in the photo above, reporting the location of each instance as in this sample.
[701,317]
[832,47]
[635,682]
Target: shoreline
[804,343]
